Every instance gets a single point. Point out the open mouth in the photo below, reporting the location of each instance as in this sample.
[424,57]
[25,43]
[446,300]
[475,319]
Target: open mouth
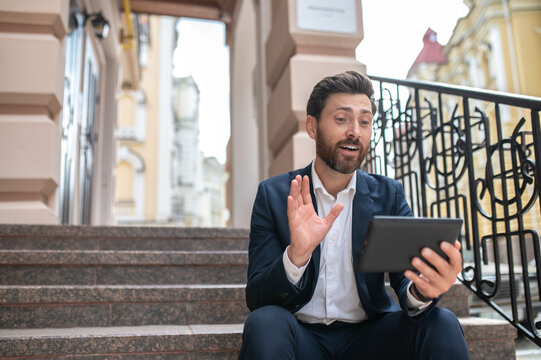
[351,148]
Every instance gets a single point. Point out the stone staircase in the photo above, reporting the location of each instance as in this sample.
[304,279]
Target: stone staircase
[147,293]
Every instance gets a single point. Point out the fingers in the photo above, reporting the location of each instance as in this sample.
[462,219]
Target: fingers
[427,281]
[305,190]
[428,272]
[291,208]
[433,258]
[434,282]
[294,190]
[333,214]
[300,190]
[453,253]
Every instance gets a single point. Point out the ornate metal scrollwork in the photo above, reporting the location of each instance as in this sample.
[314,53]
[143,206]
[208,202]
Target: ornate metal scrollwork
[522,170]
[447,162]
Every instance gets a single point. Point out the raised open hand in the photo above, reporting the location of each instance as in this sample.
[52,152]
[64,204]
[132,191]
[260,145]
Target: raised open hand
[306,229]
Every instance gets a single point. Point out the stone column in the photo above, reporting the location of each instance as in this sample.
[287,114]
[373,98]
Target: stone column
[300,51]
[31,87]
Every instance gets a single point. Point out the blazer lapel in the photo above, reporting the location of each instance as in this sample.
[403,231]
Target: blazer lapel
[362,213]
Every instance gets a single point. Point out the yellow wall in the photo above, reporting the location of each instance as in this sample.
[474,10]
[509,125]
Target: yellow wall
[124,182]
[472,34]
[147,150]
[126,111]
[527,36]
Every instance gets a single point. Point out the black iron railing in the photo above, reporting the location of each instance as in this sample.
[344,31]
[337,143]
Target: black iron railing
[473,154]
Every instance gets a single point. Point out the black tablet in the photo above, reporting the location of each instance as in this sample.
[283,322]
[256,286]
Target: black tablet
[392,241]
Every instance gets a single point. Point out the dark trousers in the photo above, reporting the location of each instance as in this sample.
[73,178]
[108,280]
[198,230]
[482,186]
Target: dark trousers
[273,333]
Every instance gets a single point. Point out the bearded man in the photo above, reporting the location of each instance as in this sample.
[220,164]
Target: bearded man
[307,299]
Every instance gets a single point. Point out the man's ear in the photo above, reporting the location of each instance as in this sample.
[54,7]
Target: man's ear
[311,126]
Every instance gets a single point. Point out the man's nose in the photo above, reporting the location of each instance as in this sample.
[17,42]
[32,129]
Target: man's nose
[354,130]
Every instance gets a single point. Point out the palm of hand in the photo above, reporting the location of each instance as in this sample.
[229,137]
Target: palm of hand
[307,230]
[307,227]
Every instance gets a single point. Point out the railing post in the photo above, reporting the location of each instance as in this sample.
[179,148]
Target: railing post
[536,129]
[419,141]
[468,153]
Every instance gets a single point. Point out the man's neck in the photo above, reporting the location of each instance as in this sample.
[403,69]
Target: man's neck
[332,180]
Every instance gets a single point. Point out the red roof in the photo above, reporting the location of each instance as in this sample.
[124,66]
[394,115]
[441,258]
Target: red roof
[432,50]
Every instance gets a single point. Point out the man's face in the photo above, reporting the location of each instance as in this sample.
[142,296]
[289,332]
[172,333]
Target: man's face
[343,132]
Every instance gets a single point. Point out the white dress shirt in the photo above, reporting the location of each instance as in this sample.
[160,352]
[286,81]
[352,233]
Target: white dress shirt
[336,297]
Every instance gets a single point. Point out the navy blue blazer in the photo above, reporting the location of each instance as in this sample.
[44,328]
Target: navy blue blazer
[269,237]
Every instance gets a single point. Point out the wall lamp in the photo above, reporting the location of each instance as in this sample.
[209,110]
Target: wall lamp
[99,23]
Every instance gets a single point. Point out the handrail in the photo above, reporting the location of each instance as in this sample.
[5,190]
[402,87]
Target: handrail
[466,91]
[474,154]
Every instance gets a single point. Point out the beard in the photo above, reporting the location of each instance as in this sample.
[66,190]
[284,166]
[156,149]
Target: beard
[344,164]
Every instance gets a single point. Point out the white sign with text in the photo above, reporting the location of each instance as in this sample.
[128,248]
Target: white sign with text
[327,15]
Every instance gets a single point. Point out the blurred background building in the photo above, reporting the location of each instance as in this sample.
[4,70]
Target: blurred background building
[495,46]
[162,177]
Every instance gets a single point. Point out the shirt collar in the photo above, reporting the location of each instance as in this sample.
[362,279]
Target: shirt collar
[317,184]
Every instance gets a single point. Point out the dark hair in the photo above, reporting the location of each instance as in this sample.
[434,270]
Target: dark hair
[350,82]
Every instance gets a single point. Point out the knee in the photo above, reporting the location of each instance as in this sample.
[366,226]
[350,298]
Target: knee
[257,341]
[443,329]
[439,332]
[442,318]
[268,317]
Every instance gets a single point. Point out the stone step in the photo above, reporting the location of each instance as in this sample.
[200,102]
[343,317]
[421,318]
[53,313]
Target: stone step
[57,237]
[110,267]
[122,257]
[136,342]
[487,339]
[120,305]
[128,305]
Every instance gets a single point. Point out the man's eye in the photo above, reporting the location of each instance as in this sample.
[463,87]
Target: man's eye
[340,119]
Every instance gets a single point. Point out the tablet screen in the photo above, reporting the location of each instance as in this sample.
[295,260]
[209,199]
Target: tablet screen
[392,241]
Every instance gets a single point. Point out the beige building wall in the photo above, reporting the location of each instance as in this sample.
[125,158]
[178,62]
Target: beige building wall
[243,145]
[32,73]
[32,63]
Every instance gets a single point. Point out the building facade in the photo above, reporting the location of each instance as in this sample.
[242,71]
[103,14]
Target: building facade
[145,127]
[198,182]
[495,46]
[59,73]
[63,81]
[161,175]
